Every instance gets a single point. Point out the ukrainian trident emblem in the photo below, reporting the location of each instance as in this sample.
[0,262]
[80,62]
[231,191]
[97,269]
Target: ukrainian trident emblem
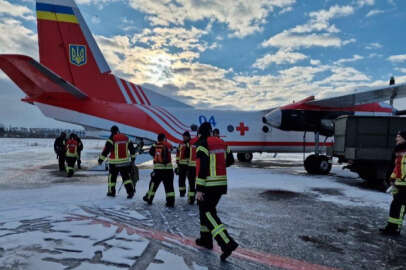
[77,54]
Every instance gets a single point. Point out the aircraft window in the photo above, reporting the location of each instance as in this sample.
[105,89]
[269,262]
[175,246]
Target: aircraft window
[230,128]
[265,129]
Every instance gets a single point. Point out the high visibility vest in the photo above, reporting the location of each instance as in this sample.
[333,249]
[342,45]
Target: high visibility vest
[119,154]
[182,155]
[162,156]
[399,172]
[192,152]
[217,152]
[71,148]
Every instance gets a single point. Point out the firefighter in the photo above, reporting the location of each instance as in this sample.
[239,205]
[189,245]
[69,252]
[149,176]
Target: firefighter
[71,154]
[192,170]
[80,149]
[212,160]
[163,171]
[60,150]
[182,159]
[121,153]
[398,181]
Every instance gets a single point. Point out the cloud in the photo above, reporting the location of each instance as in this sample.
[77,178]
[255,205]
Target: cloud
[316,32]
[362,3]
[374,45]
[397,58]
[22,41]
[375,12]
[281,57]
[241,17]
[14,10]
[354,58]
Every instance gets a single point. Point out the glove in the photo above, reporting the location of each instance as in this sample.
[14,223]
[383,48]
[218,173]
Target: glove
[152,174]
[176,170]
[100,161]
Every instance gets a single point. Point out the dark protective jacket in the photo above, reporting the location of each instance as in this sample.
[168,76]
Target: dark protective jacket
[213,156]
[161,153]
[59,146]
[120,150]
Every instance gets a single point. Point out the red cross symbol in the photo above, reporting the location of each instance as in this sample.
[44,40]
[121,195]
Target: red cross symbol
[242,129]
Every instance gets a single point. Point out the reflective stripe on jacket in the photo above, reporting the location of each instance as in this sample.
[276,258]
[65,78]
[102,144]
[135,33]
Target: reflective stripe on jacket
[182,154]
[216,177]
[192,152]
[399,172]
[72,148]
[162,156]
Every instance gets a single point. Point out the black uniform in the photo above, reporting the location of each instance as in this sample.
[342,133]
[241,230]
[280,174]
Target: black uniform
[213,186]
[60,149]
[115,167]
[163,172]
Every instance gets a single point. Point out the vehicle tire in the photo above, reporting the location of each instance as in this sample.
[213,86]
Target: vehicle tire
[244,157]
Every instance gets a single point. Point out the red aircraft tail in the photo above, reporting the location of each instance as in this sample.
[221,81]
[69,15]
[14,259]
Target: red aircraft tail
[67,47]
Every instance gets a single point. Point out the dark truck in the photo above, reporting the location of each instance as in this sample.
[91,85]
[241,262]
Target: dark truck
[366,143]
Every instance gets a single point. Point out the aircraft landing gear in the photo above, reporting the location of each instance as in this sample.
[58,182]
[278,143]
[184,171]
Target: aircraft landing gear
[317,164]
[244,157]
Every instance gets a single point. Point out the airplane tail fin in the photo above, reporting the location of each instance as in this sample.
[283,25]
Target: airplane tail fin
[67,47]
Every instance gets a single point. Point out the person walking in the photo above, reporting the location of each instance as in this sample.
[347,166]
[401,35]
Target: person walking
[398,181]
[71,154]
[163,171]
[60,150]
[211,184]
[121,153]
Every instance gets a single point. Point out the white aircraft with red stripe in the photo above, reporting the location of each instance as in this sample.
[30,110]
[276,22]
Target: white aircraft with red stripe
[73,83]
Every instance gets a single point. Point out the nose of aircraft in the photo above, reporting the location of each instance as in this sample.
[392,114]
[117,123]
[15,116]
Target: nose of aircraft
[273,118]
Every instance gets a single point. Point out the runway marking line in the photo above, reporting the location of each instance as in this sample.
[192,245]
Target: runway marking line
[242,253]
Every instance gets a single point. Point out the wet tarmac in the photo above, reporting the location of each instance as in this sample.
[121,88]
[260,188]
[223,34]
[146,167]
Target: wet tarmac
[52,222]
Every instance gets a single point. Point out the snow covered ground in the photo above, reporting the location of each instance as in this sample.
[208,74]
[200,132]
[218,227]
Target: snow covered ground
[48,221]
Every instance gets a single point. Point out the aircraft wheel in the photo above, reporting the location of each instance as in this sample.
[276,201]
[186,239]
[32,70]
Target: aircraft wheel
[244,157]
[248,157]
[311,164]
[324,165]
[316,164]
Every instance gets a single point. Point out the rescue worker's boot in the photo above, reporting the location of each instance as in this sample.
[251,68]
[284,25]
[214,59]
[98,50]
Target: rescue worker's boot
[170,202]
[146,199]
[182,191]
[228,249]
[112,192]
[79,162]
[130,195]
[390,229]
[70,172]
[191,197]
[205,240]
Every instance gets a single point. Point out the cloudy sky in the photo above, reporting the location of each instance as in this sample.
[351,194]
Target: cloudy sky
[237,54]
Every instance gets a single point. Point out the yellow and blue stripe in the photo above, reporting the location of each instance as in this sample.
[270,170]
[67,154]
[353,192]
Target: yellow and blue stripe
[55,13]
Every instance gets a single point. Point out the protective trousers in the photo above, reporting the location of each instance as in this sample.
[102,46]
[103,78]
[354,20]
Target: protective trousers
[397,210]
[70,165]
[61,161]
[211,225]
[183,171]
[192,184]
[166,176]
[125,175]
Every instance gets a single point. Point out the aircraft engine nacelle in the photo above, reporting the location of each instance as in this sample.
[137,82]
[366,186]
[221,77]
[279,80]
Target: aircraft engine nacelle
[298,120]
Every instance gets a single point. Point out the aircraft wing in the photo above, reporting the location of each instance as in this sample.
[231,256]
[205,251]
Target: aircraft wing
[370,96]
[35,79]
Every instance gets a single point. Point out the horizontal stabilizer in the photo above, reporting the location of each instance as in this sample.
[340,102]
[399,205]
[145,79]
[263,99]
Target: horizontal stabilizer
[366,97]
[36,80]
